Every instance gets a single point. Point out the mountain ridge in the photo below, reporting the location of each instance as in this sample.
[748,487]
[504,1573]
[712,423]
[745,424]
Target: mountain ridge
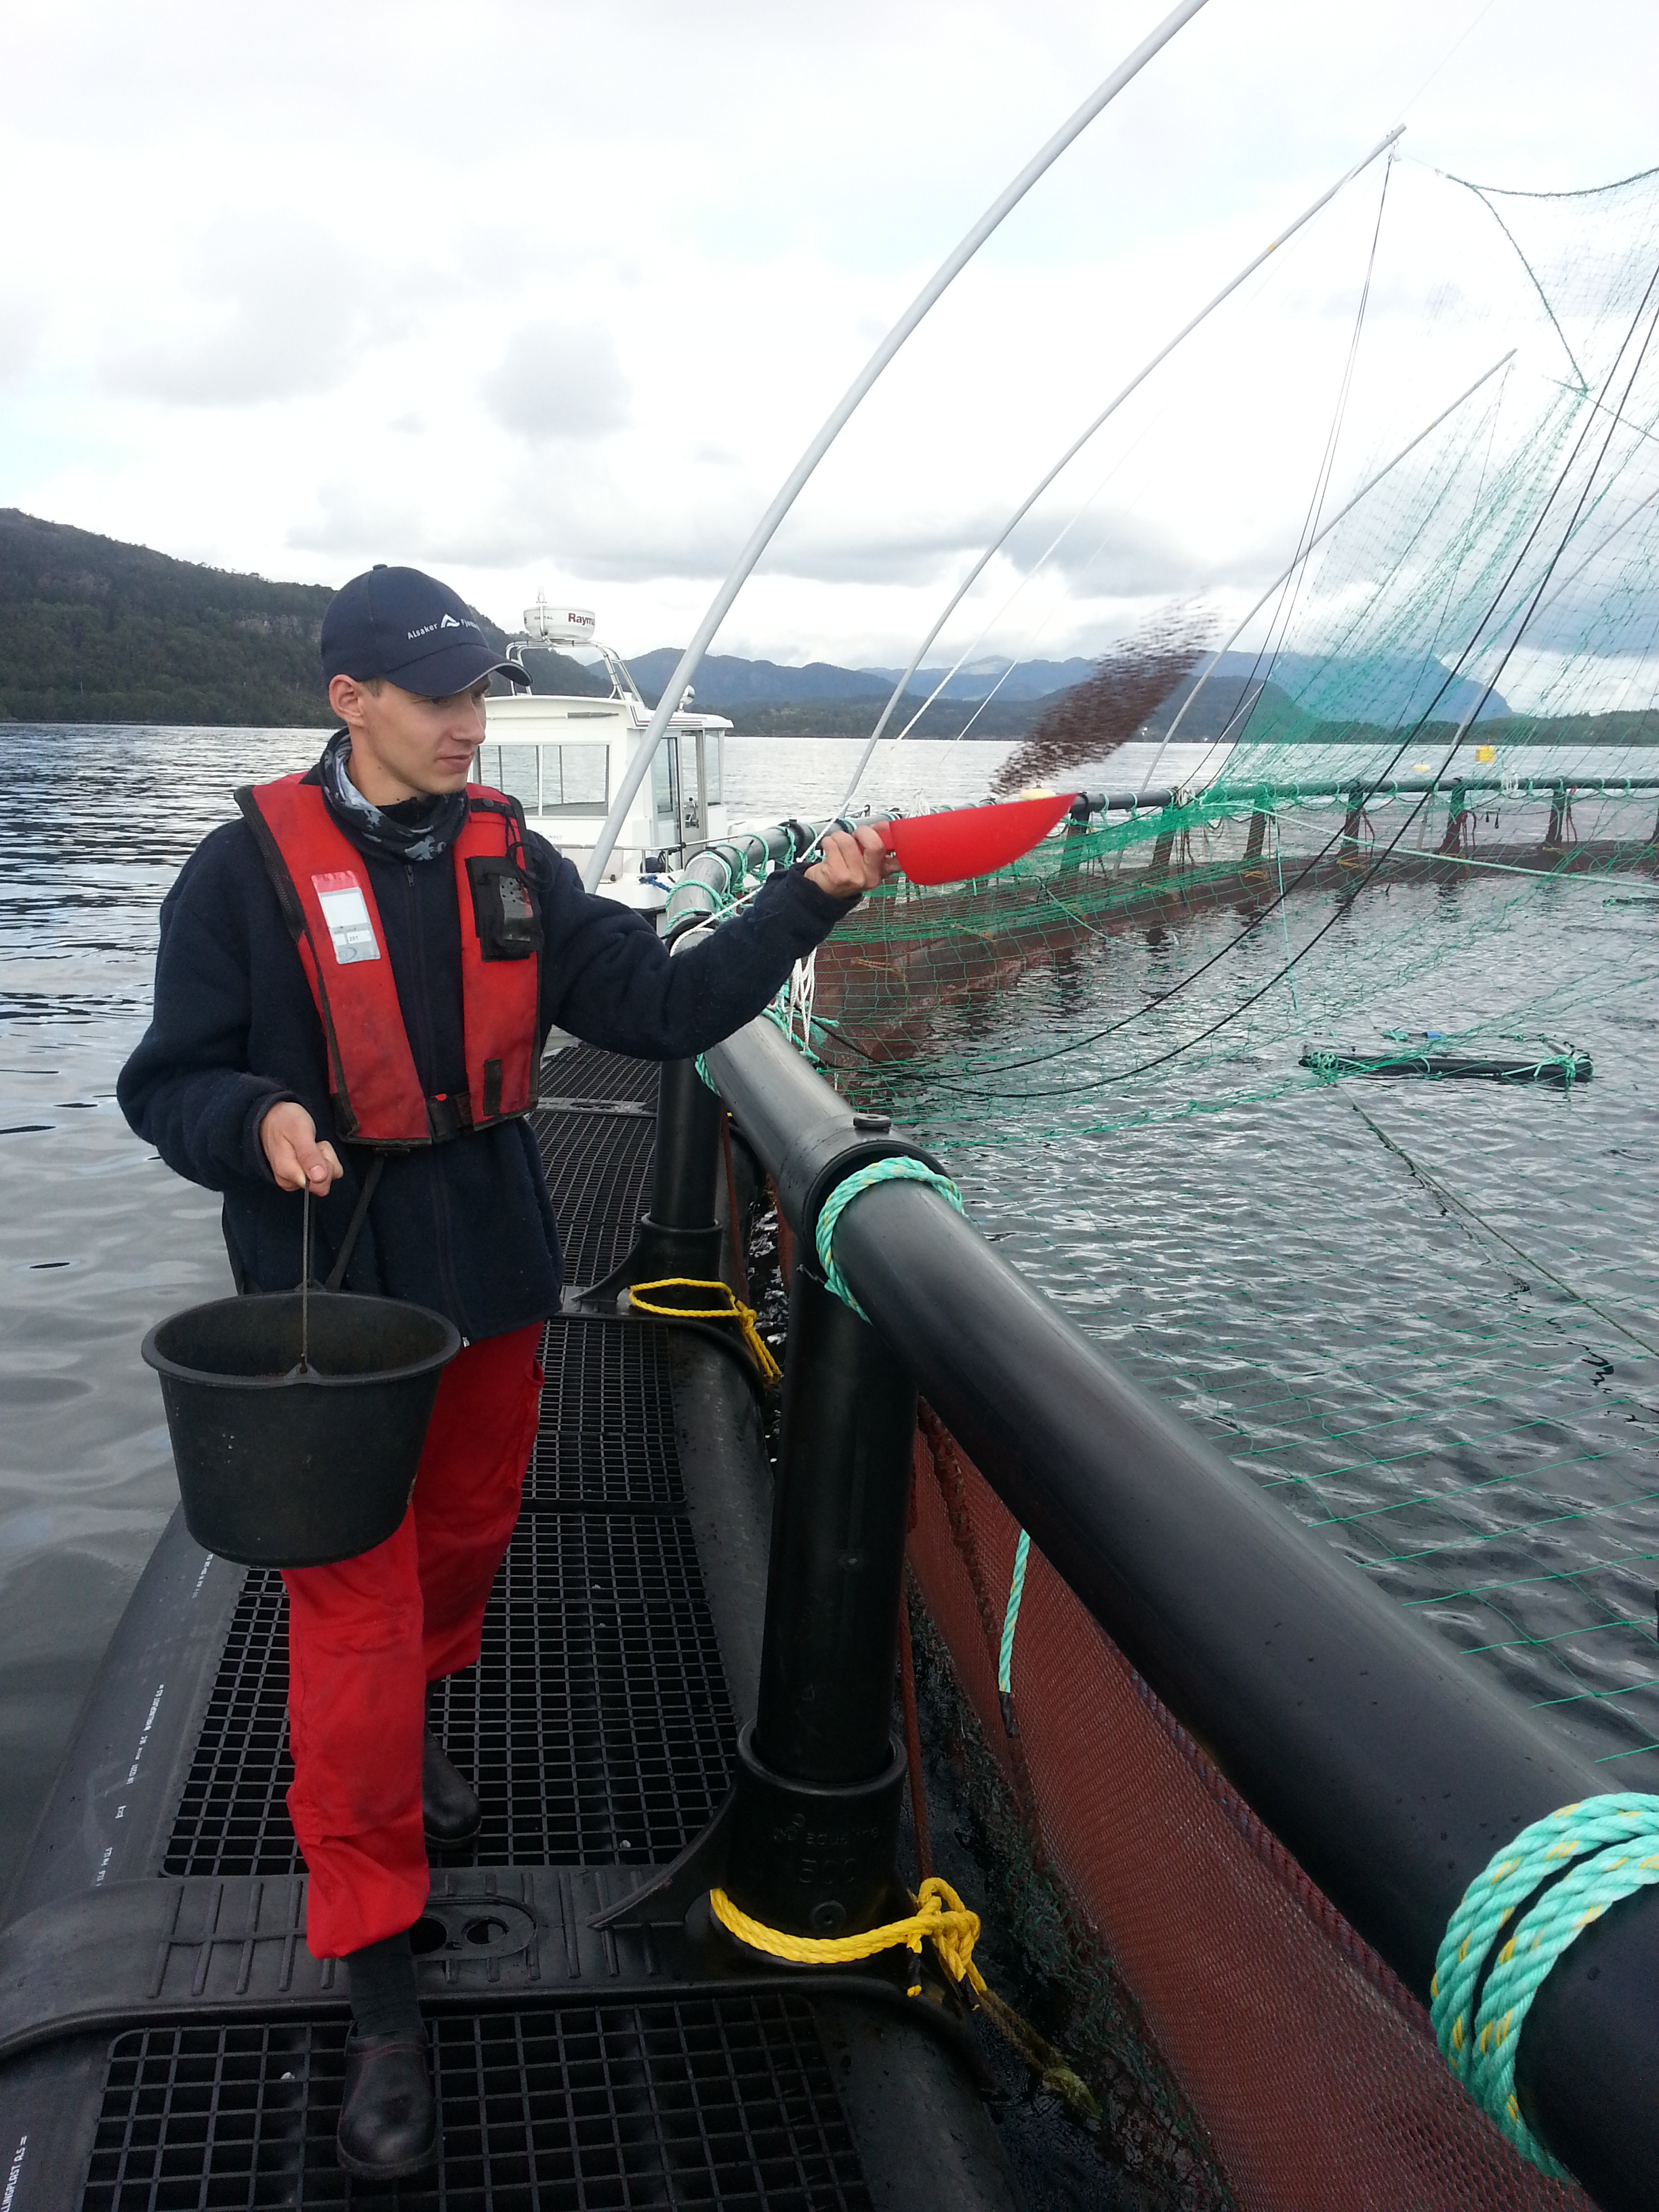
[728,680]
[95,629]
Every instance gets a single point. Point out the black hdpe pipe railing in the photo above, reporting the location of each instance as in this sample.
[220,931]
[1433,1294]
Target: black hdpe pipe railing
[814,1827]
[1390,1768]
[807,1842]
[1089,802]
[825,1702]
[681,1234]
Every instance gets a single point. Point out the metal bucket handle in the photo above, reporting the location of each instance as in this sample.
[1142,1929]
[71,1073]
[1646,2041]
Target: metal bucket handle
[335,1275]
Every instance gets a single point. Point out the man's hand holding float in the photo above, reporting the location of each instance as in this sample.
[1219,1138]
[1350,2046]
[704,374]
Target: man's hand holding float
[853,862]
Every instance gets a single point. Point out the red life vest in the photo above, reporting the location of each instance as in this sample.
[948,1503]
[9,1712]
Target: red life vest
[328,903]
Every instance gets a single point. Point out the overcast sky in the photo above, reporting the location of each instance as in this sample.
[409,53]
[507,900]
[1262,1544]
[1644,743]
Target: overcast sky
[537,295]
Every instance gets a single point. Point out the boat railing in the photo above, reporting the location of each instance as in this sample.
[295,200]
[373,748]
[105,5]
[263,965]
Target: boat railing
[1391,1771]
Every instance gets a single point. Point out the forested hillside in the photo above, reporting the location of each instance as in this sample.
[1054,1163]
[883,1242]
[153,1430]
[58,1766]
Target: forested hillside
[92,630]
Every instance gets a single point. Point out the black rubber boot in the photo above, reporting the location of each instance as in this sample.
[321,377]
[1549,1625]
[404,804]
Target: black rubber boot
[450,1812]
[388,2118]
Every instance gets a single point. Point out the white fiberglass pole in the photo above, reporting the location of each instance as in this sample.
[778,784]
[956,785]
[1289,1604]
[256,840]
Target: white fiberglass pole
[1080,442]
[942,276]
[1284,575]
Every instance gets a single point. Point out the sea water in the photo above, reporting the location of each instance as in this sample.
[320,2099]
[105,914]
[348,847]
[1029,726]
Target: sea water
[98,1238]
[1452,1416]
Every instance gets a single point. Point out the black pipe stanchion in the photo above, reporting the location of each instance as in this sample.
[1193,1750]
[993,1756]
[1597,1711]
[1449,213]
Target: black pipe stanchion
[815,1827]
[808,1841]
[685,1172]
[680,1235]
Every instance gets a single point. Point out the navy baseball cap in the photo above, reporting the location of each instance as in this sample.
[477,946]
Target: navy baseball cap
[413,630]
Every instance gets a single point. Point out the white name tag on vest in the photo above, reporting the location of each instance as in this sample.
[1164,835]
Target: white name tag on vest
[346,912]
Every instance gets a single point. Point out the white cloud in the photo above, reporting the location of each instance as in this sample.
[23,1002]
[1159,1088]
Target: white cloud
[578,339]
[22,324]
[272,308]
[558,381]
[356,525]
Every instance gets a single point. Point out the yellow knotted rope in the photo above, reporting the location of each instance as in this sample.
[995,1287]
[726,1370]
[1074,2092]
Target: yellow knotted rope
[940,1916]
[733,1310]
[942,1919]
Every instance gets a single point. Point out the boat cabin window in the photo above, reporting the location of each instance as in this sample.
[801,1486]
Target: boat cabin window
[575,778]
[712,741]
[513,770]
[568,779]
[666,793]
[699,777]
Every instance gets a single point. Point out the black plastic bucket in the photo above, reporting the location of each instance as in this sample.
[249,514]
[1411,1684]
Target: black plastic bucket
[279,1469]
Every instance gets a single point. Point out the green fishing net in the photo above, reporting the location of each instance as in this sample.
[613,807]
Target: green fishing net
[1189,1059]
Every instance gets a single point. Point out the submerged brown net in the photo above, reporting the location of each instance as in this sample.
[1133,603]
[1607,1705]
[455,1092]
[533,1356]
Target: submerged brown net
[1314,2070]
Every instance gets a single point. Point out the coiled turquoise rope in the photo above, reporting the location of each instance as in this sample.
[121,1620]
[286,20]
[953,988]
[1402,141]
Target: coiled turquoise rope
[897,1168]
[1609,1847]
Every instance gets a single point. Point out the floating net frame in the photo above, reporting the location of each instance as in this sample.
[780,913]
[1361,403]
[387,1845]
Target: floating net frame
[1359,852]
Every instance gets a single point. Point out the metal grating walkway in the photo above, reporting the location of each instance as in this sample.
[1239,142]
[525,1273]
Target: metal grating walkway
[700,2103]
[600,1732]
[599,1161]
[599,1175]
[587,1071]
[597,1726]
[232,1818]
[606,1440]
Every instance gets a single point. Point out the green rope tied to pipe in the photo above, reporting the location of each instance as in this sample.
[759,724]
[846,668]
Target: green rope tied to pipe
[1010,1619]
[778,1014]
[1609,1848]
[701,1063]
[897,1168]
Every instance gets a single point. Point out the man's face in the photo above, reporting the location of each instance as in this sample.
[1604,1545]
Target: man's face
[404,746]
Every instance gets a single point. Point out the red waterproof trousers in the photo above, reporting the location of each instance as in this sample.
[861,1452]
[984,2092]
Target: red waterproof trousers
[367,1636]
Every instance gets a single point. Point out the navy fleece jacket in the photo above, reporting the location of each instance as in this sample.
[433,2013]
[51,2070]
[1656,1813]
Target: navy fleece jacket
[466,1227]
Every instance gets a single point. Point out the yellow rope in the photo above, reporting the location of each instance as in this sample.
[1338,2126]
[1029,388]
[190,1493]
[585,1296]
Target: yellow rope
[733,1310]
[942,1919]
[940,1916]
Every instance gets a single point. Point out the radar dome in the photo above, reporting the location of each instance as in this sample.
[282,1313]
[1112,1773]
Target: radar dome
[552,623]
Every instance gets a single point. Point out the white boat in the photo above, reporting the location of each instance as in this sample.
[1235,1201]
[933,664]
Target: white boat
[562,755]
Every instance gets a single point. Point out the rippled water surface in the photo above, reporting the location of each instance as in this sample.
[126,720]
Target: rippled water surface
[97,1239]
[1422,1313]
[1449,1409]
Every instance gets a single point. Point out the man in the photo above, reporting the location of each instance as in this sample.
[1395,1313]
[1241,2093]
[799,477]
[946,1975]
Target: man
[353,987]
